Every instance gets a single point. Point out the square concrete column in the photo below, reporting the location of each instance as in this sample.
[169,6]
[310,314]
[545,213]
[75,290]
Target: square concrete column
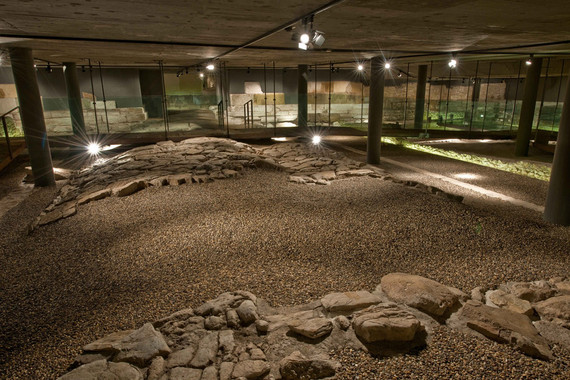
[528,106]
[420,96]
[375,109]
[32,114]
[557,209]
[302,108]
[74,98]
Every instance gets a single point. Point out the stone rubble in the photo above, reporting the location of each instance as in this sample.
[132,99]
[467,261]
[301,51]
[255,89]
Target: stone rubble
[201,160]
[246,338]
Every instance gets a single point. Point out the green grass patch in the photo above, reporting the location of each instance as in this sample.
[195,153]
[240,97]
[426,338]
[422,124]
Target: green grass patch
[532,170]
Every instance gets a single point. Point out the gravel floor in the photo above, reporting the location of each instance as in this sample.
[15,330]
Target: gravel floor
[123,261]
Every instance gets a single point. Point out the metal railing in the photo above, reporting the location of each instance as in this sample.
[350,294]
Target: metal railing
[248,114]
[6,134]
[221,114]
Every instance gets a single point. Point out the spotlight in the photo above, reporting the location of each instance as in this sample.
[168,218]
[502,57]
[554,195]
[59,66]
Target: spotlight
[201,75]
[318,38]
[529,60]
[387,65]
[93,149]
[302,46]
[83,68]
[48,68]
[186,70]
[304,39]
[178,75]
[452,63]
[360,67]
[316,140]
[211,67]
[400,74]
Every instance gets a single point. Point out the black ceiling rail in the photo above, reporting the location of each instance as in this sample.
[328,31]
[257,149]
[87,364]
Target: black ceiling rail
[281,27]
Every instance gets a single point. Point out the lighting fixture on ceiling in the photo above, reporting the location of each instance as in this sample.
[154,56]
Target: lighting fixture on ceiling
[48,68]
[528,62]
[452,62]
[201,75]
[387,65]
[309,37]
[211,67]
[359,67]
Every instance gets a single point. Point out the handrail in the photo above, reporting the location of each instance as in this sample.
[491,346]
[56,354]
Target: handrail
[221,114]
[12,110]
[248,114]
[6,135]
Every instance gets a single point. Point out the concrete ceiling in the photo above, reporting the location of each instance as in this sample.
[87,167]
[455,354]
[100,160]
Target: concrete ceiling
[185,33]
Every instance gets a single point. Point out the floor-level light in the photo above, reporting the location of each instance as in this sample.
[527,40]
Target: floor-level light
[316,140]
[93,148]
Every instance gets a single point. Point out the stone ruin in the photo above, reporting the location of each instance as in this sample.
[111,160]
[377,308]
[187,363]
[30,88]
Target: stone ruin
[240,336]
[201,160]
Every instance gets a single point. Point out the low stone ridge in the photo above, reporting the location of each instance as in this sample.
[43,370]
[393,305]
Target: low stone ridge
[499,298]
[196,160]
[201,160]
[238,336]
[429,296]
[555,309]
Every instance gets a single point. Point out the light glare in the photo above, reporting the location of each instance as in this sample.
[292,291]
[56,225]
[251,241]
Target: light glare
[316,140]
[302,46]
[93,148]
[211,67]
[387,65]
[304,38]
[452,63]
[360,67]
[528,62]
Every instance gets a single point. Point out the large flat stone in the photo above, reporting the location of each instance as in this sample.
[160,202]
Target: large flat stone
[251,369]
[385,323]
[505,326]
[422,293]
[499,298]
[137,347]
[313,328]
[101,369]
[207,350]
[347,302]
[555,309]
[297,366]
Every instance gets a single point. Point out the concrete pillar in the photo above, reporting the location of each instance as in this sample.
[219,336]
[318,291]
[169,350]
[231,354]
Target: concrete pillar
[528,106]
[302,108]
[32,114]
[375,108]
[420,96]
[74,98]
[557,209]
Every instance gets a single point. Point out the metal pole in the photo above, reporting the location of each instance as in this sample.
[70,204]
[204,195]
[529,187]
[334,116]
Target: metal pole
[557,96]
[93,94]
[466,100]
[7,137]
[475,86]
[406,102]
[428,121]
[330,89]
[447,101]
[516,95]
[361,103]
[543,94]
[103,92]
[486,96]
[226,94]
[507,85]
[265,91]
[439,104]
[375,109]
[274,104]
[164,104]
[316,95]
